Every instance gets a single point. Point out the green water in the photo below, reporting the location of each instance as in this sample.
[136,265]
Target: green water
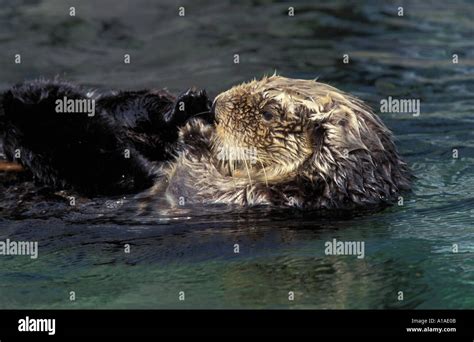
[408,248]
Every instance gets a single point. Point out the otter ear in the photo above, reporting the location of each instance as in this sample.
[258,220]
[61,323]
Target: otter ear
[339,133]
[317,135]
[316,167]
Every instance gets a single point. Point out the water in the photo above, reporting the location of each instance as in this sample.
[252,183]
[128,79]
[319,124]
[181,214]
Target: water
[407,248]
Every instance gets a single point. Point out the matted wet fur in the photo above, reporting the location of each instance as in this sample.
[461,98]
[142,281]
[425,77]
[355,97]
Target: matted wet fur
[112,152]
[315,147]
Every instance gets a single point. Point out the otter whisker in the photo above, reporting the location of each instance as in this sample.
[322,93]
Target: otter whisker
[201,113]
[264,172]
[232,168]
[248,171]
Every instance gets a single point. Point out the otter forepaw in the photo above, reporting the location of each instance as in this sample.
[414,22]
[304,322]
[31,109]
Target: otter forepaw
[192,103]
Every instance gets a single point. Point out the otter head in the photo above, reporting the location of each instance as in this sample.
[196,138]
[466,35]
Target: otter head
[303,128]
[261,124]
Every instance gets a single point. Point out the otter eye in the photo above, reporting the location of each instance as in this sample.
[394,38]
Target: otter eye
[267,115]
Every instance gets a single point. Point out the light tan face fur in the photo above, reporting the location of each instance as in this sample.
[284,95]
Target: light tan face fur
[276,118]
[267,123]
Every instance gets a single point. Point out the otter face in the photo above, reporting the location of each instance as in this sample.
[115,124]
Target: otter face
[260,121]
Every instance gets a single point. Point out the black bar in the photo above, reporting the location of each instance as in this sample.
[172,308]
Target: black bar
[243,322]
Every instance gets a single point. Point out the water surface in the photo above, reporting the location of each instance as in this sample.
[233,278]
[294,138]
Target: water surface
[408,248]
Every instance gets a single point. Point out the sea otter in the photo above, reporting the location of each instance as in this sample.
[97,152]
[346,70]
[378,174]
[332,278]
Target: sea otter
[285,142]
[112,151]
[275,142]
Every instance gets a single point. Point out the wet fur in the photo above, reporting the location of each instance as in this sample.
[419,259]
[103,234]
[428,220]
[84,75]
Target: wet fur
[324,149]
[87,154]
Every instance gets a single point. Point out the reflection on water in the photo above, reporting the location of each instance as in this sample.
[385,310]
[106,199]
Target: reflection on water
[408,248]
